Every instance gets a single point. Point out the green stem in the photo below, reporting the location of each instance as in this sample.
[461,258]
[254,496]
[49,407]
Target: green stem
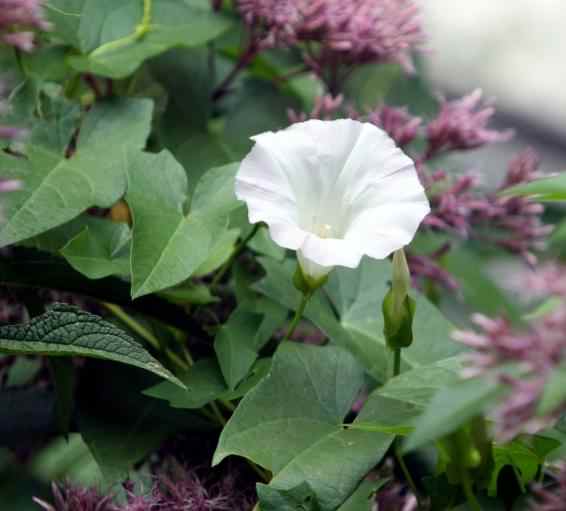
[298,315]
[148,336]
[405,469]
[217,413]
[134,325]
[470,497]
[396,362]
[396,442]
[237,251]
[145,24]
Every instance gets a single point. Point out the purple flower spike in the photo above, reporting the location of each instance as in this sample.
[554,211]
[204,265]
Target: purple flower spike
[397,122]
[552,497]
[354,32]
[462,125]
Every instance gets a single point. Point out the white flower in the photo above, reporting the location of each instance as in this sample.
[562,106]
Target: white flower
[333,191]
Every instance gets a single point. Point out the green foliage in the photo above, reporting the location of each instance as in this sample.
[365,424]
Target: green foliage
[549,189]
[291,424]
[138,113]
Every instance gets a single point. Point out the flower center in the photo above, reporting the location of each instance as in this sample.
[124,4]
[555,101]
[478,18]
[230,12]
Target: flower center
[324,231]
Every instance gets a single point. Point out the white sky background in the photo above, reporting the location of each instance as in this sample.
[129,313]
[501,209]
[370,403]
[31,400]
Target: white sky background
[514,49]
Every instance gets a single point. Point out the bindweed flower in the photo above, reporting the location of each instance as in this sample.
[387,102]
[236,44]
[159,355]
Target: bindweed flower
[334,191]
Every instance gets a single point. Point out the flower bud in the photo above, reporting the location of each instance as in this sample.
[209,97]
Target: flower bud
[398,307]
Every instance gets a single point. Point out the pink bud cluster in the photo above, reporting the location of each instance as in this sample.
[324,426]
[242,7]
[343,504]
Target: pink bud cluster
[352,32]
[18,18]
[394,497]
[177,489]
[537,350]
[514,222]
[551,498]
[461,125]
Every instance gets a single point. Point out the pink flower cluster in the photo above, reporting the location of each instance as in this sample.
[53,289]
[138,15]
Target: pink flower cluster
[179,490]
[514,222]
[462,125]
[18,18]
[551,498]
[537,350]
[352,32]
[394,497]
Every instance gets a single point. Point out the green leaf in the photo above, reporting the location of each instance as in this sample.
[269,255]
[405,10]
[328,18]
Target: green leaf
[291,424]
[361,499]
[395,406]
[58,122]
[100,250]
[270,108]
[357,296]
[56,189]
[554,393]
[204,383]
[200,152]
[549,189]
[117,448]
[219,253]
[168,244]
[301,497]
[369,84]
[108,32]
[65,15]
[525,454]
[65,330]
[189,293]
[452,407]
[235,345]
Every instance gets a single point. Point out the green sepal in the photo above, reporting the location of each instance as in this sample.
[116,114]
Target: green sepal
[305,284]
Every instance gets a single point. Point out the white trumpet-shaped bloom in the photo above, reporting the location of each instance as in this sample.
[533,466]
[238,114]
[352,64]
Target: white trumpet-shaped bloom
[334,191]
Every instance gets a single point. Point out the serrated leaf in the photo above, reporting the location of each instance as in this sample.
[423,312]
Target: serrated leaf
[56,189]
[291,424]
[100,250]
[108,31]
[168,244]
[65,330]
